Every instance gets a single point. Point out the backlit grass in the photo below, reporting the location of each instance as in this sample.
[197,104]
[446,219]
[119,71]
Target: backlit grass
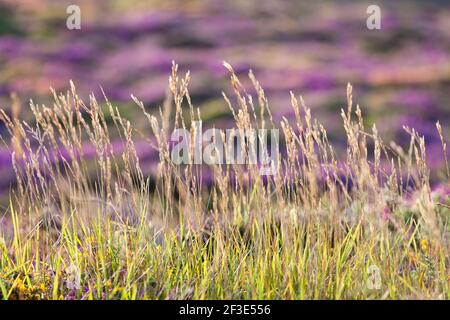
[365,225]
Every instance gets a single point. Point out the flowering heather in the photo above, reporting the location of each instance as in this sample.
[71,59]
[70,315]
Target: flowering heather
[94,205]
[401,72]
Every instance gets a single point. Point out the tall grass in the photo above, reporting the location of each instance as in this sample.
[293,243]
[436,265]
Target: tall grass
[362,226]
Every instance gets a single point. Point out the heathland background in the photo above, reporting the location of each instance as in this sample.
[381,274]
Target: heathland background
[400,74]
[98,210]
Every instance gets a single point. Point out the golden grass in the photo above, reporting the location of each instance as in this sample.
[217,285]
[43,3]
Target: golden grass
[302,233]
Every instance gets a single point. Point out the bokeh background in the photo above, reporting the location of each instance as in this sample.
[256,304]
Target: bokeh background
[400,74]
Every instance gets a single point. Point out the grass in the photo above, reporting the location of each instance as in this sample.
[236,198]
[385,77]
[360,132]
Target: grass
[363,226]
